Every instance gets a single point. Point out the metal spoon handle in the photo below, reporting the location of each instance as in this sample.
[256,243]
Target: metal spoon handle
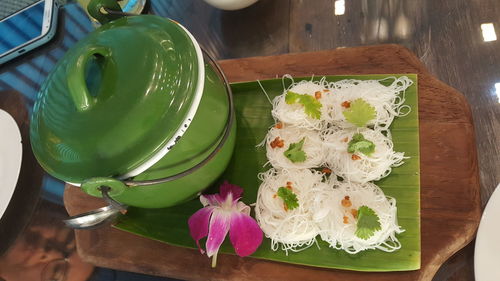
[117,205]
[96,218]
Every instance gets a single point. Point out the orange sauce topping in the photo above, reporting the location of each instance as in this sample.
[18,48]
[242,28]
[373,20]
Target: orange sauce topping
[346,202]
[354,213]
[277,142]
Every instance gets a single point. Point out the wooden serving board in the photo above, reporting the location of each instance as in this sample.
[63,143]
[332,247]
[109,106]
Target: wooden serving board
[450,199]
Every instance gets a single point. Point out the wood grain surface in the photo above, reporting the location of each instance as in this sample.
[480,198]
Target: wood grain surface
[450,192]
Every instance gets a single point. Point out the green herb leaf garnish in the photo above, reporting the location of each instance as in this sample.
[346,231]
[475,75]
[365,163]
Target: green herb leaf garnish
[358,143]
[360,113]
[312,106]
[289,198]
[368,223]
[295,153]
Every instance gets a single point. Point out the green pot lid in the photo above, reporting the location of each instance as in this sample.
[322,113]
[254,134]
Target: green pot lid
[118,100]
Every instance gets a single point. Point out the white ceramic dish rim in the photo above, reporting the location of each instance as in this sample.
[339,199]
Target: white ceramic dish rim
[487,248]
[11,154]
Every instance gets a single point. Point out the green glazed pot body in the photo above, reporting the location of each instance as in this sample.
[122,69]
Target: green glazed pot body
[109,107]
[211,117]
[180,190]
[115,99]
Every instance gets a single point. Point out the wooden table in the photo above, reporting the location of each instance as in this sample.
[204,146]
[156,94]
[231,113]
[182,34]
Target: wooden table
[445,35]
[450,192]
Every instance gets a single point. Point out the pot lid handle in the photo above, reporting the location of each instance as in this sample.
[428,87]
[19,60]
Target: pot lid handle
[75,70]
[98,9]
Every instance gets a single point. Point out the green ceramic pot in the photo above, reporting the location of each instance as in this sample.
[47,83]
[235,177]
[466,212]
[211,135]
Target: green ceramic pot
[135,106]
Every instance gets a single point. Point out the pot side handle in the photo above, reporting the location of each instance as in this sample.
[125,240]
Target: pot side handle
[75,70]
[93,186]
[104,187]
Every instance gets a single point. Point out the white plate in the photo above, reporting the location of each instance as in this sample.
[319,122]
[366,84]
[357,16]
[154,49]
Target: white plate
[11,153]
[487,251]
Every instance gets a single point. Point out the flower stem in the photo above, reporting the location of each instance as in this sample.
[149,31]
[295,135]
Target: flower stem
[214,260]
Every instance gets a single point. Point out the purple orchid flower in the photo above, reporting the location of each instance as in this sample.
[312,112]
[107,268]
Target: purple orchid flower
[223,213]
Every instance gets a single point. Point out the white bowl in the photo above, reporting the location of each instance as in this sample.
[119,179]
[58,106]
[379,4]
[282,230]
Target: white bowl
[487,251]
[230,4]
[11,153]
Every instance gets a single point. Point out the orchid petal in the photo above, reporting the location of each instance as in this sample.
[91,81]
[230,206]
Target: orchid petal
[198,224]
[227,188]
[211,199]
[245,234]
[219,226]
[243,208]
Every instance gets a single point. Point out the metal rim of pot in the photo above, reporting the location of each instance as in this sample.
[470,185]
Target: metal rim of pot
[187,120]
[225,134]
[135,166]
[103,215]
[226,131]
[81,221]
[221,143]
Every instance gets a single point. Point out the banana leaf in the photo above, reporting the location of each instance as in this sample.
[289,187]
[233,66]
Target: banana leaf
[253,114]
